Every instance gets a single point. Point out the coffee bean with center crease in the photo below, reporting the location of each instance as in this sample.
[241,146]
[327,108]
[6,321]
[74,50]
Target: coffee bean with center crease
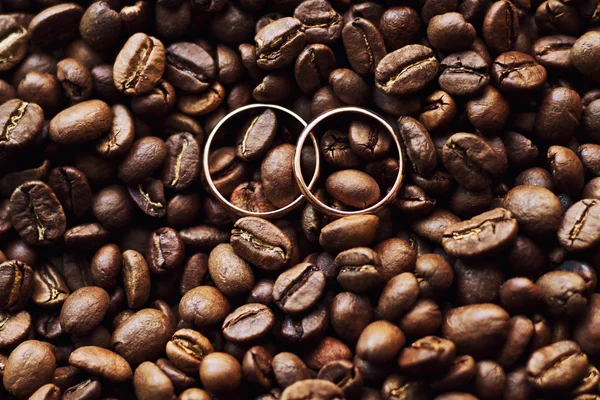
[554,52]
[364,45]
[299,288]
[278,43]
[358,269]
[579,229]
[75,79]
[261,243]
[345,375]
[501,26]
[226,170]
[189,67]
[49,287]
[322,24]
[257,136]
[20,124]
[81,123]
[16,281]
[14,43]
[182,162]
[248,323]
[187,348]
[406,70]
[37,214]
[485,234]
[72,190]
[313,66]
[556,367]
[312,389]
[464,73]
[516,72]
[419,146]
[139,65]
[149,196]
[471,161]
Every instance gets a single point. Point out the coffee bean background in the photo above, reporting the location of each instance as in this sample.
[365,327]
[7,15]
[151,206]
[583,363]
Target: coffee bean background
[122,277]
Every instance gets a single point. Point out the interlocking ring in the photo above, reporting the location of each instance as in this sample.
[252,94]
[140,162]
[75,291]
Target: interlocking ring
[226,203]
[306,190]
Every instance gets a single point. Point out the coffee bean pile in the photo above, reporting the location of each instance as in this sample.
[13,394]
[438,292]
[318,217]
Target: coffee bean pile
[122,277]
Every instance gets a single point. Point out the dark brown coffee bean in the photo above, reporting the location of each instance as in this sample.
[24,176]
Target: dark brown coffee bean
[17,285]
[220,372]
[429,354]
[558,115]
[567,170]
[248,323]
[538,218]
[556,367]
[584,52]
[358,269]
[101,363]
[149,196]
[398,296]
[438,111]
[29,367]
[21,123]
[476,329]
[450,32]
[144,157]
[348,86]
[83,310]
[277,175]
[419,146]
[471,161]
[257,136]
[37,214]
[150,381]
[136,343]
[136,278]
[226,170]
[501,27]
[204,306]
[464,73]
[113,207]
[120,136]
[578,230]
[321,23]
[139,65]
[278,43]
[589,153]
[187,348]
[354,188]
[399,26]
[231,274]
[554,52]
[14,43]
[15,328]
[49,287]
[563,293]
[313,67]
[406,70]
[81,123]
[189,67]
[261,243]
[516,72]
[554,16]
[72,189]
[520,295]
[364,45]
[299,288]
[75,79]
[380,342]
[55,25]
[482,235]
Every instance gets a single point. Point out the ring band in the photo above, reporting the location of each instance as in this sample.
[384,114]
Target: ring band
[306,190]
[226,203]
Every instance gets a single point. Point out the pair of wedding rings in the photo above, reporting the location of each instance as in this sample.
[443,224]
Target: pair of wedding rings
[305,189]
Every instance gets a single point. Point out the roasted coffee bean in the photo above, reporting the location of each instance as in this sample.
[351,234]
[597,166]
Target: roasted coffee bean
[299,288]
[563,293]
[149,196]
[136,278]
[72,190]
[278,43]
[406,70]
[37,214]
[139,65]
[83,310]
[380,342]
[348,86]
[450,32]
[204,306]
[257,136]
[430,354]
[21,123]
[230,272]
[354,188]
[75,79]
[419,146]
[567,170]
[220,372]
[165,251]
[189,67]
[464,73]
[49,287]
[583,52]
[120,135]
[29,367]
[554,52]
[101,363]
[364,45]
[81,123]
[501,27]
[277,175]
[17,285]
[313,66]
[578,229]
[187,348]
[55,25]
[358,269]
[485,234]
[321,23]
[558,116]
[248,323]
[471,161]
[226,170]
[516,72]
[540,218]
[14,43]
[261,243]
[559,366]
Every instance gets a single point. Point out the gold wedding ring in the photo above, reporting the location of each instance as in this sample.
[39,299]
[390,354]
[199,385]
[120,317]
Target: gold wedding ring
[306,190]
[226,203]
